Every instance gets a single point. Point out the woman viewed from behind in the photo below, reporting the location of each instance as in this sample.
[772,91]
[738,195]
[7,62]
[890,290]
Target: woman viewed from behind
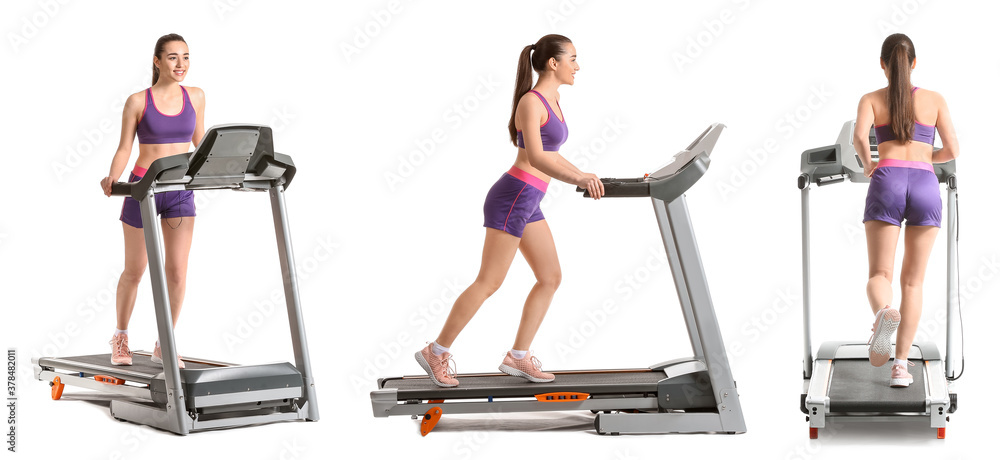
[903,187]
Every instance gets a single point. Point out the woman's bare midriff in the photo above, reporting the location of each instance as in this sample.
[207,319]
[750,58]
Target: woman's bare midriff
[911,151]
[523,164]
[148,153]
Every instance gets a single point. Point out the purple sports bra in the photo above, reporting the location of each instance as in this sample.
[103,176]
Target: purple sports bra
[157,128]
[921,132]
[553,134]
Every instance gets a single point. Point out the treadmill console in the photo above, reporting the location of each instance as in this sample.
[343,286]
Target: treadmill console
[839,162]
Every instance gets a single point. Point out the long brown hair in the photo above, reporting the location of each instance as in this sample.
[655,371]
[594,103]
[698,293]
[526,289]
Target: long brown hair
[161,43]
[549,46]
[898,55]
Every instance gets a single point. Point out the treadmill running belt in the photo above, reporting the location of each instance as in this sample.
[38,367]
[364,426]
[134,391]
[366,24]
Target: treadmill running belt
[857,386]
[100,364]
[504,385]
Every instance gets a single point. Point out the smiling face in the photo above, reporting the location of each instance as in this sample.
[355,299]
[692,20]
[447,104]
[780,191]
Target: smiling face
[174,61]
[565,67]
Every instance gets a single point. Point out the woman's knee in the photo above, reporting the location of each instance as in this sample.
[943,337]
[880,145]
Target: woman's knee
[910,282]
[488,285]
[880,273]
[175,275]
[550,280]
[132,275]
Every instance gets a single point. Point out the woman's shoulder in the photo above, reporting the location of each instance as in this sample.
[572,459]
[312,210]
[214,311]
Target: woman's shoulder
[878,94]
[924,92]
[195,91]
[136,101]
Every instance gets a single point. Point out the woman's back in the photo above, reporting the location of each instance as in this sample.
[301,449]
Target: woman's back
[927,106]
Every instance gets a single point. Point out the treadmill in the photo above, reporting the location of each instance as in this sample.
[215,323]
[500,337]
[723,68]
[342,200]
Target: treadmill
[840,384]
[206,394]
[687,395]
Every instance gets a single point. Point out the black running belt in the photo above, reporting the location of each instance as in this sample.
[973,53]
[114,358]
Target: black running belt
[501,385]
[142,369]
[857,386]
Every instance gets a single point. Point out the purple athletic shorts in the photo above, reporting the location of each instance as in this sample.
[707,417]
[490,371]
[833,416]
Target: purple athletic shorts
[512,202]
[901,190]
[178,203]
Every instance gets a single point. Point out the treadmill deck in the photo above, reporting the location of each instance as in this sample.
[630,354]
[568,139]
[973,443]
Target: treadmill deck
[142,368]
[857,386]
[502,385]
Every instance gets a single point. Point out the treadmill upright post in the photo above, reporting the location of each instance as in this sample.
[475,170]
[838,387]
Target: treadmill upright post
[807,357]
[176,409]
[692,283]
[952,291]
[296,323]
[683,296]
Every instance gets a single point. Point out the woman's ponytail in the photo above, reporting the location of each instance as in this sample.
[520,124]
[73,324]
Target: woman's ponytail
[898,56]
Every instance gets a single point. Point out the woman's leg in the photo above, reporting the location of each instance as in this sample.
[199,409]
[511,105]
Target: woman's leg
[539,250]
[919,240]
[177,233]
[882,239]
[498,253]
[128,283]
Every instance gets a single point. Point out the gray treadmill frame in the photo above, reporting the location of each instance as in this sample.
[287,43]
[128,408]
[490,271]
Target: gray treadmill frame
[677,232]
[817,371]
[174,416]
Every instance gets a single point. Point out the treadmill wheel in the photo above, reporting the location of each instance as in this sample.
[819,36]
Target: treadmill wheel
[57,388]
[940,433]
[430,420]
[813,433]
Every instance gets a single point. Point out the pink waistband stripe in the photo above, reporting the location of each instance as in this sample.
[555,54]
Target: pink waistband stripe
[891,163]
[528,178]
[139,170]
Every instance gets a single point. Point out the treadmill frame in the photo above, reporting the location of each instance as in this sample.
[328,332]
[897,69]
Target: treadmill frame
[248,163]
[666,189]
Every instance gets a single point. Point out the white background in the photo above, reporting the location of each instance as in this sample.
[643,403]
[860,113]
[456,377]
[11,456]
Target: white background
[352,88]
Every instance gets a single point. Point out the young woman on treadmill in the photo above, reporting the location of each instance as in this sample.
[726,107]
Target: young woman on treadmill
[167,118]
[513,219]
[903,187]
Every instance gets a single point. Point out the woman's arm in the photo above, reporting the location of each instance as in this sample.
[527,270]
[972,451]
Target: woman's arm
[198,101]
[134,106]
[862,127]
[949,141]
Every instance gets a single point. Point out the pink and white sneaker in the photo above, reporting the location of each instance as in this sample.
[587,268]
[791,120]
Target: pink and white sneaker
[880,344]
[900,378]
[157,357]
[529,368]
[120,354]
[441,369]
